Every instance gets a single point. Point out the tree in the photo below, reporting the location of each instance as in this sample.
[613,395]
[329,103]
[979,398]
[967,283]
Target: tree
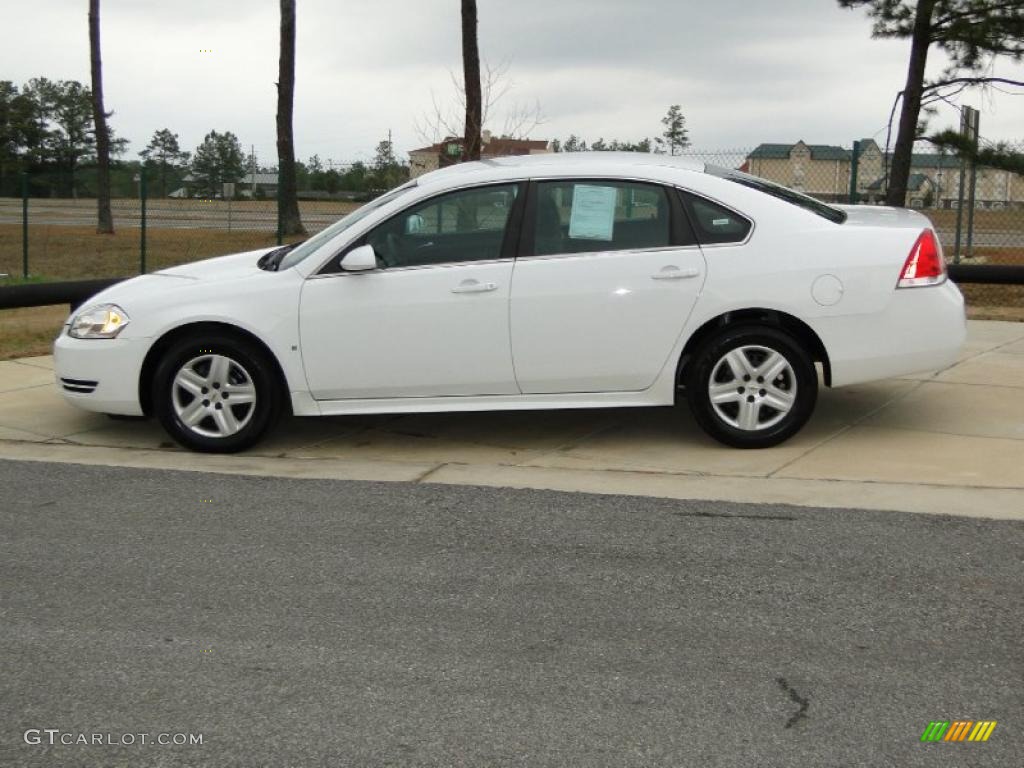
[387,171]
[472,137]
[971,32]
[64,114]
[574,144]
[1002,155]
[287,200]
[332,181]
[163,153]
[20,132]
[675,137]
[356,178]
[104,218]
[447,121]
[217,160]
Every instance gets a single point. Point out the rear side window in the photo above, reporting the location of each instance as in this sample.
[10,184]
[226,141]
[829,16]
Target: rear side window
[593,216]
[714,224]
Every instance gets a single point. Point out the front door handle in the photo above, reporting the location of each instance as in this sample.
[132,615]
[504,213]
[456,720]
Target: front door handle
[672,272]
[474,286]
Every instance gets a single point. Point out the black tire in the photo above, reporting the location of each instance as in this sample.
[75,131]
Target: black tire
[721,422]
[248,364]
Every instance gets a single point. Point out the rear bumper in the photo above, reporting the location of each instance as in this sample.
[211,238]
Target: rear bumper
[100,374]
[922,329]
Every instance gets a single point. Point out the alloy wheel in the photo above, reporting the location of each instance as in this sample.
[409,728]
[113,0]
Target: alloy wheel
[752,387]
[213,396]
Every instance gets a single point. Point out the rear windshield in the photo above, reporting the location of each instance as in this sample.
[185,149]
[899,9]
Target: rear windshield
[782,193]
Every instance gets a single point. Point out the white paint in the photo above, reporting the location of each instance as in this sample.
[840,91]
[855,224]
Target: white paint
[580,330]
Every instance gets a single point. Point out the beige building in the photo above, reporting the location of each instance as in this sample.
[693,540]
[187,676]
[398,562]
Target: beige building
[449,152]
[823,171]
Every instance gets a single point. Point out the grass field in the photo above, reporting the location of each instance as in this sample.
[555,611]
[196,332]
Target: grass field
[64,253]
[30,331]
[1008,219]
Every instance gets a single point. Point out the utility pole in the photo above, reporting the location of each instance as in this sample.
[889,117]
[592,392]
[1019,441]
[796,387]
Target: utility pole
[969,130]
[252,165]
[975,116]
[854,166]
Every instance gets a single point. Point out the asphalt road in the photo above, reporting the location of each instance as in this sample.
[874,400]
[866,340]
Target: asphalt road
[301,622]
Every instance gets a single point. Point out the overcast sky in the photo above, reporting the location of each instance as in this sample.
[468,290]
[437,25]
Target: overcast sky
[744,71]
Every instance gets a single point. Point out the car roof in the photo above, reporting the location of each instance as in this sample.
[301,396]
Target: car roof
[567,162]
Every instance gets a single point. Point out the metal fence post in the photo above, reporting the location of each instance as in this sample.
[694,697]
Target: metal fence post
[142,221]
[280,228]
[975,116]
[854,163]
[24,224]
[960,190]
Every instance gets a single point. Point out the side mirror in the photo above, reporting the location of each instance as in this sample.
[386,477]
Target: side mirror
[360,259]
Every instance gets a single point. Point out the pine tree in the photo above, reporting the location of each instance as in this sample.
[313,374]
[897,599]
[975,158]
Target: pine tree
[971,32]
[471,75]
[217,160]
[287,196]
[676,137]
[164,154]
[104,217]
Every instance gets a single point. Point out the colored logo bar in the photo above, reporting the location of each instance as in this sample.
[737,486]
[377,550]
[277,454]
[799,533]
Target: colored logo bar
[958,730]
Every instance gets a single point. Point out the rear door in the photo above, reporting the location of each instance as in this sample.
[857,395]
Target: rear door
[607,275]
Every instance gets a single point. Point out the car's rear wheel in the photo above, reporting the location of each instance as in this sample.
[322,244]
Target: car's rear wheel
[216,394]
[751,387]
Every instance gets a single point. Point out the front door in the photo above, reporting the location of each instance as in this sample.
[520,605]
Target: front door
[432,320]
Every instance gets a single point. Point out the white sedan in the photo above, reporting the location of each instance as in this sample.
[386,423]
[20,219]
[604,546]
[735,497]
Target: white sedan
[552,281]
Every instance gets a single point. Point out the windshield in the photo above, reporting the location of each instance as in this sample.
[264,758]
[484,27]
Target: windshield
[311,245]
[791,196]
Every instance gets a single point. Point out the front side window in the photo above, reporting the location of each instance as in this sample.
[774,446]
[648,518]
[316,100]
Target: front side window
[302,250]
[467,225]
[595,216]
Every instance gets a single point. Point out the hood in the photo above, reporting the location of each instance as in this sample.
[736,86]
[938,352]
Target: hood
[221,268]
[165,283]
[883,216]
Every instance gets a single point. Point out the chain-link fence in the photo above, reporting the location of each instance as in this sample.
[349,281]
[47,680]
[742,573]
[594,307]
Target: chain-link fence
[48,221]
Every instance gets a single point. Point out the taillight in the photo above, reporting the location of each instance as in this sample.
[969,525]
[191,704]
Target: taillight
[924,265]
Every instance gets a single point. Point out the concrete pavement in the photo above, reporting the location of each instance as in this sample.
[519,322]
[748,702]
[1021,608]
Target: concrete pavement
[948,442]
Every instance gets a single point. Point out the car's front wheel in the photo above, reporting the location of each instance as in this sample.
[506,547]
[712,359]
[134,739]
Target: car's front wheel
[216,394]
[751,387]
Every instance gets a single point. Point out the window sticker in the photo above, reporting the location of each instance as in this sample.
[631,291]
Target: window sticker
[720,222]
[593,212]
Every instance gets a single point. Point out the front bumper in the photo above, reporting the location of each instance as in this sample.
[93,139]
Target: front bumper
[100,374]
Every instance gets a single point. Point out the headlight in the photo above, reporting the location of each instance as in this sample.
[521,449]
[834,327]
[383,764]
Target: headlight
[103,321]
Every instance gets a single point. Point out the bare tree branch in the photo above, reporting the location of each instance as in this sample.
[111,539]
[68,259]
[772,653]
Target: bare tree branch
[445,120]
[969,81]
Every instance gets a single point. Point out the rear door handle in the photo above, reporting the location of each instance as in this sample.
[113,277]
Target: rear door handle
[672,272]
[474,286]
